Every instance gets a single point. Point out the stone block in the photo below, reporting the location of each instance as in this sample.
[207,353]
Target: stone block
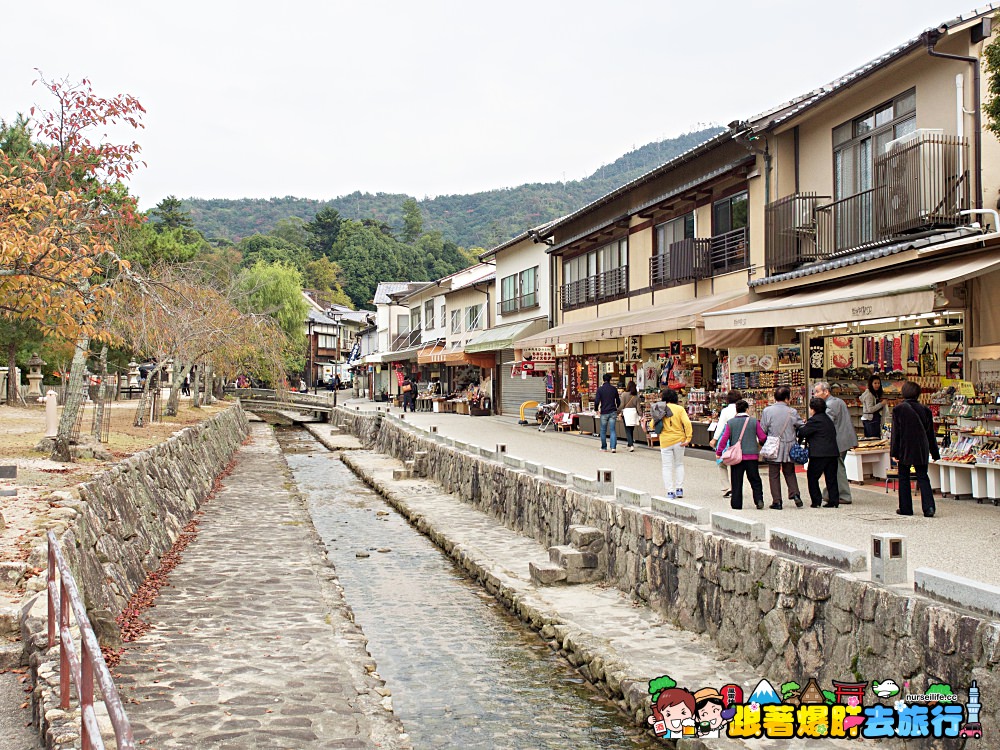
[460,445]
[555,475]
[400,474]
[585,537]
[680,510]
[819,550]
[487,453]
[606,482]
[889,564]
[585,575]
[501,449]
[514,463]
[633,497]
[532,468]
[546,573]
[732,525]
[963,592]
[584,484]
[571,558]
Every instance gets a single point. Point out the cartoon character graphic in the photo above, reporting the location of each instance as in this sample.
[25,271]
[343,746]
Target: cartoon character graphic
[711,712]
[673,709]
[885,688]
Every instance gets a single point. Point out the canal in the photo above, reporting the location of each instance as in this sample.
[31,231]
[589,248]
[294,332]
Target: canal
[463,672]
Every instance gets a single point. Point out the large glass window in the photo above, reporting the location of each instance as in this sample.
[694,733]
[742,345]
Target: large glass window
[443,316]
[607,258]
[675,230]
[730,213]
[508,293]
[456,321]
[402,324]
[414,318]
[429,314]
[473,317]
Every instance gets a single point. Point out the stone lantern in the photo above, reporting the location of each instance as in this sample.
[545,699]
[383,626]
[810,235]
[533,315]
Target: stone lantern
[133,374]
[35,375]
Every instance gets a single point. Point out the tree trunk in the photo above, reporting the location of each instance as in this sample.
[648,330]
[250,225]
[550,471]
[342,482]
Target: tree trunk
[196,389]
[209,379]
[173,401]
[102,390]
[75,392]
[12,379]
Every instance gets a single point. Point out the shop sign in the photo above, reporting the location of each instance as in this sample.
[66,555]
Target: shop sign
[544,357]
[562,350]
[633,350]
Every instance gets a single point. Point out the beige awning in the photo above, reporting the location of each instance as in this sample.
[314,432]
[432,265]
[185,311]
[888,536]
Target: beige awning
[672,316]
[894,294]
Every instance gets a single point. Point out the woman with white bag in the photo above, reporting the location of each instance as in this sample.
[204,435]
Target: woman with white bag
[780,421]
[630,413]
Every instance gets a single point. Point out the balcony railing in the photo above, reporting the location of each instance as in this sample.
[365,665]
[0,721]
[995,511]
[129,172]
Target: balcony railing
[920,184]
[512,305]
[602,287]
[790,232]
[684,261]
[405,340]
[730,251]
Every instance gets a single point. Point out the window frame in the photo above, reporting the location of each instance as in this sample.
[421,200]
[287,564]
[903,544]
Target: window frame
[456,317]
[522,294]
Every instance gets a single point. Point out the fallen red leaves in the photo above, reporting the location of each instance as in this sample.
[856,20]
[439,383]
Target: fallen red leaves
[130,622]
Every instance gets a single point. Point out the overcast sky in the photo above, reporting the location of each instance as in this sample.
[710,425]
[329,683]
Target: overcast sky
[319,98]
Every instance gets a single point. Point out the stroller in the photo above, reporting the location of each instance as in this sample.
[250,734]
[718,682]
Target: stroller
[546,415]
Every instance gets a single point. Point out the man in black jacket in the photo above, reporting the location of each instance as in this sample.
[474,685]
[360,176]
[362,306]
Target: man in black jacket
[913,444]
[607,404]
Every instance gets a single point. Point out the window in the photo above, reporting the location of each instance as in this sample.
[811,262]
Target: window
[414,318]
[728,248]
[529,287]
[606,258]
[327,341]
[473,317]
[429,314]
[858,142]
[402,324]
[729,214]
[442,316]
[508,294]
[675,230]
[456,321]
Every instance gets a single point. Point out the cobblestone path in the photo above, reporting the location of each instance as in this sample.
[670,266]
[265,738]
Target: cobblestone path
[252,645]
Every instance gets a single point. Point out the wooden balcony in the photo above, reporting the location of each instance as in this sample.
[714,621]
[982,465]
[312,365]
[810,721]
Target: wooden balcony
[601,287]
[684,261]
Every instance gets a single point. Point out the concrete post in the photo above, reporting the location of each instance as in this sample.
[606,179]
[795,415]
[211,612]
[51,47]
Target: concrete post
[889,558]
[605,482]
[51,400]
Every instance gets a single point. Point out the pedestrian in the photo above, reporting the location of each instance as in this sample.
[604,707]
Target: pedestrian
[630,413]
[186,386]
[607,403]
[746,431]
[409,397]
[824,455]
[913,444]
[847,438]
[872,407]
[674,429]
[727,413]
[302,386]
[781,420]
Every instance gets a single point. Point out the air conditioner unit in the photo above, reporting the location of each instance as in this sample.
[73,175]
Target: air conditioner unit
[804,217]
[917,135]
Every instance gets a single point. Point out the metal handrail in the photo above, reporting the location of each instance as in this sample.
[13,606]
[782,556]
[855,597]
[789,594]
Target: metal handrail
[86,665]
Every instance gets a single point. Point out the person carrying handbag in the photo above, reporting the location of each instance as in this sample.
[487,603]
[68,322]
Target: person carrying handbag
[824,454]
[629,411]
[744,434]
[780,421]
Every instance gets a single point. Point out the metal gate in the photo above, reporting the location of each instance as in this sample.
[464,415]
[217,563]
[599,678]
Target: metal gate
[515,391]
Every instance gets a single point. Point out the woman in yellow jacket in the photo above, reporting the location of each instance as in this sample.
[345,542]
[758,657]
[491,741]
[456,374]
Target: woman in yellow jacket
[675,435]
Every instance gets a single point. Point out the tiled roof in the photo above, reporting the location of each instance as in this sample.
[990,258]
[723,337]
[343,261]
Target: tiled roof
[385,288]
[871,253]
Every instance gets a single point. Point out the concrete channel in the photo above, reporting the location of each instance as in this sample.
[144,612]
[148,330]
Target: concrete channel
[462,671]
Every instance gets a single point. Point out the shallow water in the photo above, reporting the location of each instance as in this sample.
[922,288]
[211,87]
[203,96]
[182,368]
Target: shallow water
[463,672]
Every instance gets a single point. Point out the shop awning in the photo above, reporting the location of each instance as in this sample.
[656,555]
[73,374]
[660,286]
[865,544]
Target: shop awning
[895,294]
[672,316]
[409,353]
[503,337]
[431,354]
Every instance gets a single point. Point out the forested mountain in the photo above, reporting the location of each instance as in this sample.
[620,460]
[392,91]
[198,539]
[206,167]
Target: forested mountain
[476,220]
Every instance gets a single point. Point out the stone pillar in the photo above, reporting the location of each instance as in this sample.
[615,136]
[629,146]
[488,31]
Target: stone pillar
[35,375]
[51,401]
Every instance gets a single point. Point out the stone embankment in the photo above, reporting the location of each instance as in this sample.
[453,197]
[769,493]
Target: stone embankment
[787,618]
[113,532]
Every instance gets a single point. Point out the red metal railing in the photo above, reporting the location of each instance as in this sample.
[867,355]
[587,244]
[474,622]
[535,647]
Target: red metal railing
[85,665]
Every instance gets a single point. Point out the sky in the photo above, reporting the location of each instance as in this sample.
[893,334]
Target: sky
[319,98]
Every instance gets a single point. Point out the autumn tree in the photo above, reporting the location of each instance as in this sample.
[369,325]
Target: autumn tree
[62,208]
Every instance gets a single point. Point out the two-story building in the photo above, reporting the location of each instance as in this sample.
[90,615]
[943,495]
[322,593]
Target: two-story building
[522,295]
[880,238]
[393,340]
[331,332]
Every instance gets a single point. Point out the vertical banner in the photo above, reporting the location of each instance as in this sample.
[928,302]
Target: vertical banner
[633,351]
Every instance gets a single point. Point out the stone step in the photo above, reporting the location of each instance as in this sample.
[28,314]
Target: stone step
[12,573]
[571,558]
[400,474]
[586,538]
[10,622]
[11,654]
[546,573]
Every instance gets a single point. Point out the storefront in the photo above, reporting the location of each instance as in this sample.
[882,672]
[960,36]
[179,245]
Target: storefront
[511,383]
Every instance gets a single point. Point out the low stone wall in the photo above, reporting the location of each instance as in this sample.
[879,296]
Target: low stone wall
[115,533]
[787,617]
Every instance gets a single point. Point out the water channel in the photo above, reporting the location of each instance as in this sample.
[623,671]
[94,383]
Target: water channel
[464,673]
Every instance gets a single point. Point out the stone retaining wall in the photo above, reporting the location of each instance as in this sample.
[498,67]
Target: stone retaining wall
[115,534]
[787,617]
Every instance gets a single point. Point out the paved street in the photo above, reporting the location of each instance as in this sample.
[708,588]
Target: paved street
[252,645]
[961,539]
